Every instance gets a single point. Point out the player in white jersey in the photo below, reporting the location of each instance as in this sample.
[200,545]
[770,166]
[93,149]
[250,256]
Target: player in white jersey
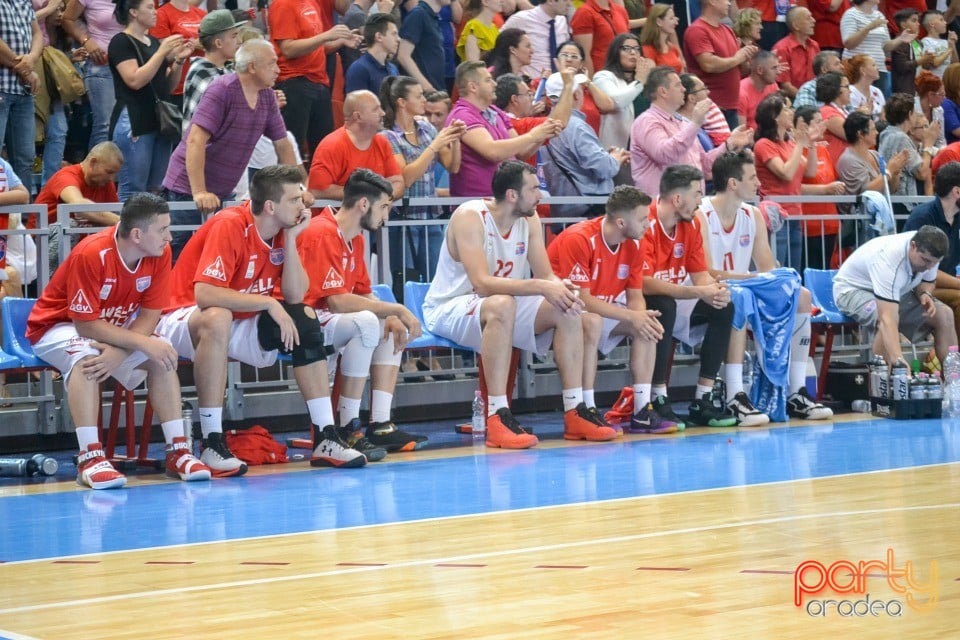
[734,234]
[483,297]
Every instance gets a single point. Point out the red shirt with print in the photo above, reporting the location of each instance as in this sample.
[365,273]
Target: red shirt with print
[672,258]
[95,283]
[334,265]
[227,251]
[581,255]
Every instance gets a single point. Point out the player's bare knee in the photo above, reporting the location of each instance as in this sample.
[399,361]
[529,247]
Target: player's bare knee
[500,309]
[215,324]
[592,328]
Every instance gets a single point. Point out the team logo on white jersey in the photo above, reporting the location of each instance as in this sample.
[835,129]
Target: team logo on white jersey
[678,250]
[623,270]
[333,280]
[577,274]
[745,240]
[105,291]
[521,248]
[215,270]
[79,304]
[143,283]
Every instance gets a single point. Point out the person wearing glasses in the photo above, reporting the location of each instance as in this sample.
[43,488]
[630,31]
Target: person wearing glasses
[596,103]
[621,78]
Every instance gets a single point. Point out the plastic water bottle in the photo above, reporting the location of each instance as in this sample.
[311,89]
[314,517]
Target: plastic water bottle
[951,377]
[37,465]
[860,406]
[747,372]
[900,380]
[478,424]
[187,412]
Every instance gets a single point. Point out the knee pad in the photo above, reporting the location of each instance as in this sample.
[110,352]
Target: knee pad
[384,353]
[311,348]
[367,326]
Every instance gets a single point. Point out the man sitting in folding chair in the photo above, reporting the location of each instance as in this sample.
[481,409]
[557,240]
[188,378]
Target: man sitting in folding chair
[96,320]
[887,286]
[369,334]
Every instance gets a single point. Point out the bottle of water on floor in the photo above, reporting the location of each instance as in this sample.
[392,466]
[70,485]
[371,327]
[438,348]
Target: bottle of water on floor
[478,424]
[951,382]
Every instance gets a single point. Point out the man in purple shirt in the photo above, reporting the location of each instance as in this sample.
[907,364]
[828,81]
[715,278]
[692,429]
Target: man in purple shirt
[661,137]
[234,112]
[490,138]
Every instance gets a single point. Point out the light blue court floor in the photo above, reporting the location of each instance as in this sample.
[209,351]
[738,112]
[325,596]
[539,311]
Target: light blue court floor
[415,486]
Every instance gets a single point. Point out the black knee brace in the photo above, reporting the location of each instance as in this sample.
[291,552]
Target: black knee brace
[311,348]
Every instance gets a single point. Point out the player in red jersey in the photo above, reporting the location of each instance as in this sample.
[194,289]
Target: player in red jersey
[361,328]
[602,257]
[672,251]
[222,306]
[96,320]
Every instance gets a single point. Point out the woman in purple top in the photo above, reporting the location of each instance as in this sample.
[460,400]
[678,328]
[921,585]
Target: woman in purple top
[92,25]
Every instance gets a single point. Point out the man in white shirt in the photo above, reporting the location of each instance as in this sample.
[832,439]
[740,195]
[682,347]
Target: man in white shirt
[546,26]
[888,284]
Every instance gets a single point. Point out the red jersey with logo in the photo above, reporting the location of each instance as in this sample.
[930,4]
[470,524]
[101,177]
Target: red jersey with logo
[94,283]
[672,258]
[334,265]
[227,251]
[581,255]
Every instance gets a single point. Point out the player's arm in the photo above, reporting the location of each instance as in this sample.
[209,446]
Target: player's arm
[72,195]
[209,295]
[537,252]
[352,303]
[762,253]
[294,282]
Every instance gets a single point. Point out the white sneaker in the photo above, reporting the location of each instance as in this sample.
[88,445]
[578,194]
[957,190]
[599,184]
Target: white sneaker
[217,455]
[94,471]
[332,451]
[746,414]
[801,405]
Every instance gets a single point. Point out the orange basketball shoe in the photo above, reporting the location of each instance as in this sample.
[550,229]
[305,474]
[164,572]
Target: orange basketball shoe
[579,425]
[505,432]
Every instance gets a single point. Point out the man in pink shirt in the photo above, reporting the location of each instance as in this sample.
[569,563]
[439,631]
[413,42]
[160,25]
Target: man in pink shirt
[714,55]
[761,82]
[661,137]
[797,51]
[490,138]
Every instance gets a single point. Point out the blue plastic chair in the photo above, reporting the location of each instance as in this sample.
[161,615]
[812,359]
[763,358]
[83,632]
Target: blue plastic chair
[8,362]
[384,293]
[414,294]
[828,321]
[15,312]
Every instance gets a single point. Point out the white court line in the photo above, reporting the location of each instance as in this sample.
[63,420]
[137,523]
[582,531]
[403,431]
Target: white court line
[360,527]
[463,558]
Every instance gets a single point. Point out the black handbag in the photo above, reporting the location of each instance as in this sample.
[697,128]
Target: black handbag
[169,115]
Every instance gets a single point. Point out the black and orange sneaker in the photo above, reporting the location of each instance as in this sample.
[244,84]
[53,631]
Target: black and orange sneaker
[579,424]
[386,435]
[504,432]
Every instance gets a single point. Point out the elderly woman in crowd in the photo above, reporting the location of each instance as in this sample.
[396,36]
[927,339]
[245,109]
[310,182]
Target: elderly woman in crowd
[908,130]
[833,90]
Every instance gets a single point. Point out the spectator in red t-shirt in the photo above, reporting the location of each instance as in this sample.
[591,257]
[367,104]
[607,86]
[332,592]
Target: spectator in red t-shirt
[594,25]
[183,18]
[352,146]
[89,182]
[761,82]
[826,18]
[303,32]
[797,51]
[713,55]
